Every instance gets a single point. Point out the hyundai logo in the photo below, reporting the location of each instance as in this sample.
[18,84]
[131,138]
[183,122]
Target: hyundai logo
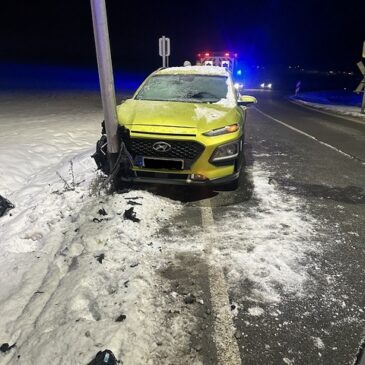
[161,147]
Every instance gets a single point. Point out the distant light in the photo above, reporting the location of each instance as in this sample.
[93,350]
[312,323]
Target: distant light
[235,54]
[262,85]
[239,72]
[269,86]
[199,54]
[226,54]
[207,54]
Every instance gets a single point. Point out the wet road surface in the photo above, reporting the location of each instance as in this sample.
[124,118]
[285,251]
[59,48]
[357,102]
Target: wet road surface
[289,241]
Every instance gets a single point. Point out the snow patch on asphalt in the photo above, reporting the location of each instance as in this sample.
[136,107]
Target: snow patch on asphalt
[264,247]
[255,311]
[318,343]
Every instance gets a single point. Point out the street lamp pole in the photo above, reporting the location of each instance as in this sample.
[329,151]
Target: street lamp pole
[103,54]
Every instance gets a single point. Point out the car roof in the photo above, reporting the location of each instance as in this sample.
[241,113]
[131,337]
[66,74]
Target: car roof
[193,70]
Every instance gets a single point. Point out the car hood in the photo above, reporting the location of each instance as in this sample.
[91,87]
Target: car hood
[140,114]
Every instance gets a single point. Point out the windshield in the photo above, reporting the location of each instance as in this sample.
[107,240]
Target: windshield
[184,88]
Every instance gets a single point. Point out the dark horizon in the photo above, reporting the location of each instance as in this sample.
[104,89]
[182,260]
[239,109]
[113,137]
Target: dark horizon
[272,33]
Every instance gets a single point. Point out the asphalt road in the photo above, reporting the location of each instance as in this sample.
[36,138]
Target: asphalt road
[314,268]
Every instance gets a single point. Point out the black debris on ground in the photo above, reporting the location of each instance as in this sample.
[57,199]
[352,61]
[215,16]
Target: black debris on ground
[105,357]
[5,206]
[130,214]
[102,211]
[134,198]
[134,265]
[100,258]
[96,220]
[5,347]
[126,284]
[190,299]
[132,202]
[121,318]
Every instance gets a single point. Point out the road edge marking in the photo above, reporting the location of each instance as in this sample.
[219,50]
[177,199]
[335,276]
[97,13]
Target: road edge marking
[312,137]
[224,337]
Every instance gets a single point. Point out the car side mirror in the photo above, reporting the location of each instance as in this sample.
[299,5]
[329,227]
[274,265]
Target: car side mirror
[246,100]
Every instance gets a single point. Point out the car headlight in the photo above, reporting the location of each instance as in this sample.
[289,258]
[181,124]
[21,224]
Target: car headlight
[269,86]
[219,131]
[226,152]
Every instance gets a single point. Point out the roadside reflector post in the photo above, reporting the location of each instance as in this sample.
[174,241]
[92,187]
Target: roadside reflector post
[361,86]
[105,68]
[164,50]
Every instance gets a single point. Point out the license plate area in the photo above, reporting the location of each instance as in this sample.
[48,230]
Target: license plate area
[163,163]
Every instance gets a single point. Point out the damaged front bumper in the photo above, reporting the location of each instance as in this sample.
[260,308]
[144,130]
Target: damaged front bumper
[178,179]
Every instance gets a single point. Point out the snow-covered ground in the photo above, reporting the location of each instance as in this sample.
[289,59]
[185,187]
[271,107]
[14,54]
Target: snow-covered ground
[72,266]
[340,102]
[37,132]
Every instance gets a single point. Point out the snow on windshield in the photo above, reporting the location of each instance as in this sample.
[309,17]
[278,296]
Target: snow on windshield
[199,70]
[229,101]
[186,88]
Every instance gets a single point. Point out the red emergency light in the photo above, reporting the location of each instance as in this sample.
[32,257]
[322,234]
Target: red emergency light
[207,54]
[226,54]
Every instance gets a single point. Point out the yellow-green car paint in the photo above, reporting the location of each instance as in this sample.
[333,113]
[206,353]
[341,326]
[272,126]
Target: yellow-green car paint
[186,121]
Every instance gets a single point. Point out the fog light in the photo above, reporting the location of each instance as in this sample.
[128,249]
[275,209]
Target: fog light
[226,152]
[198,177]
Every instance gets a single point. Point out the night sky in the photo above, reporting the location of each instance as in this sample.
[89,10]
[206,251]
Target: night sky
[323,34]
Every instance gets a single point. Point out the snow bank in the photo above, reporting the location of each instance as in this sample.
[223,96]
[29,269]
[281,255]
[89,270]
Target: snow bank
[340,102]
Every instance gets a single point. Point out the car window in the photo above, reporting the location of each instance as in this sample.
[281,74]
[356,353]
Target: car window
[184,88]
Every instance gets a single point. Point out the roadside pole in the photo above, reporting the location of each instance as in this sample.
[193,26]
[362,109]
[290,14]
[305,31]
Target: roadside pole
[361,86]
[105,68]
[164,50]
[363,90]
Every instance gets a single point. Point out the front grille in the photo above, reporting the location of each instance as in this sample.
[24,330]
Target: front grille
[189,150]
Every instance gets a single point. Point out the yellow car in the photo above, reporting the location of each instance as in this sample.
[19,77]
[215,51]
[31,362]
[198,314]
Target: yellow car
[186,126]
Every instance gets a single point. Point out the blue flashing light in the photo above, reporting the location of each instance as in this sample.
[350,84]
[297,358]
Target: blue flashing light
[239,72]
